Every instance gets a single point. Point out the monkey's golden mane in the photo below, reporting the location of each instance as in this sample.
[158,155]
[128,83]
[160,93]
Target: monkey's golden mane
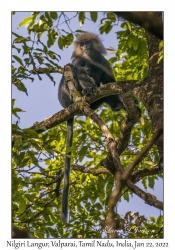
[97,42]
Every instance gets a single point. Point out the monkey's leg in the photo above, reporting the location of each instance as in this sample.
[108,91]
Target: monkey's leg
[69,139]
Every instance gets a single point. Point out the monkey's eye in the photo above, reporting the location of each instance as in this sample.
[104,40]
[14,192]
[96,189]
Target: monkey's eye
[82,44]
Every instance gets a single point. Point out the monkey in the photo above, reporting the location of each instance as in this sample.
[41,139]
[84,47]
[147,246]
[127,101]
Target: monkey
[90,70]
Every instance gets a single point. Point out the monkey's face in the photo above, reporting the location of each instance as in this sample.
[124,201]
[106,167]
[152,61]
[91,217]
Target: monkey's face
[86,46]
[89,48]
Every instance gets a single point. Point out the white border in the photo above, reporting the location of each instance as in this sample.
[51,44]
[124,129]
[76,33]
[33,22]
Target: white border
[5,95]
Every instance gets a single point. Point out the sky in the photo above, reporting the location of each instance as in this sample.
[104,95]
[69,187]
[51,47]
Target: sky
[5,96]
[48,103]
[42,100]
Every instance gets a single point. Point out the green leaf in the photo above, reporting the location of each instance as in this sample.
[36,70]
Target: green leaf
[94,16]
[18,59]
[15,34]
[26,161]
[145,70]
[22,206]
[46,217]
[82,153]
[70,38]
[16,131]
[144,182]
[60,42]
[31,132]
[161,45]
[20,85]
[29,197]
[160,58]
[111,16]
[97,206]
[13,102]
[160,220]
[15,110]
[126,196]
[32,154]
[106,27]
[26,49]
[53,15]
[39,235]
[46,71]
[39,57]
[136,44]
[39,35]
[81,18]
[26,22]
[50,40]
[142,121]
[21,39]
[152,219]
[35,144]
[113,60]
[53,232]
[130,41]
[151,181]
[48,18]
[143,45]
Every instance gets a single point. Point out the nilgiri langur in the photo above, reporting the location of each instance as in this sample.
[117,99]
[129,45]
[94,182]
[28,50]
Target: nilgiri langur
[90,70]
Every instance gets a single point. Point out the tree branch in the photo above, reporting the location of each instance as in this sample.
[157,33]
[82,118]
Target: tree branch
[72,110]
[142,153]
[92,171]
[144,19]
[148,198]
[133,116]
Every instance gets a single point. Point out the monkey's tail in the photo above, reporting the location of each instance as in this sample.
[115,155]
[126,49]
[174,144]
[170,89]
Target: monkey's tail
[69,139]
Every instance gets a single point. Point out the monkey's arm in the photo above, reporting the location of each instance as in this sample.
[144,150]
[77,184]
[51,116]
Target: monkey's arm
[87,83]
[84,76]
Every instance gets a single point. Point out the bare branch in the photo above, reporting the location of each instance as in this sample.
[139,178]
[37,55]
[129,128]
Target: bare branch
[41,71]
[142,153]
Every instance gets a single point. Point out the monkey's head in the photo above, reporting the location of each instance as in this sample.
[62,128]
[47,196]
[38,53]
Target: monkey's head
[86,44]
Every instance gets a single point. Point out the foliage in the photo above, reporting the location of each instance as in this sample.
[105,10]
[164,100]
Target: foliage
[135,226]
[37,159]
[131,60]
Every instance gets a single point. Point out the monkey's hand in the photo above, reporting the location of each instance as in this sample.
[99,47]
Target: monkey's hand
[87,83]
[89,90]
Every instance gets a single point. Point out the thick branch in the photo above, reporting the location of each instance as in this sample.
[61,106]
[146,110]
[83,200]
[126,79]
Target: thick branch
[139,174]
[133,116]
[72,110]
[144,19]
[148,198]
[111,221]
[110,141]
[134,177]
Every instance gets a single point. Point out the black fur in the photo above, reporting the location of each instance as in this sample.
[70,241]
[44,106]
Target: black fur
[90,70]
